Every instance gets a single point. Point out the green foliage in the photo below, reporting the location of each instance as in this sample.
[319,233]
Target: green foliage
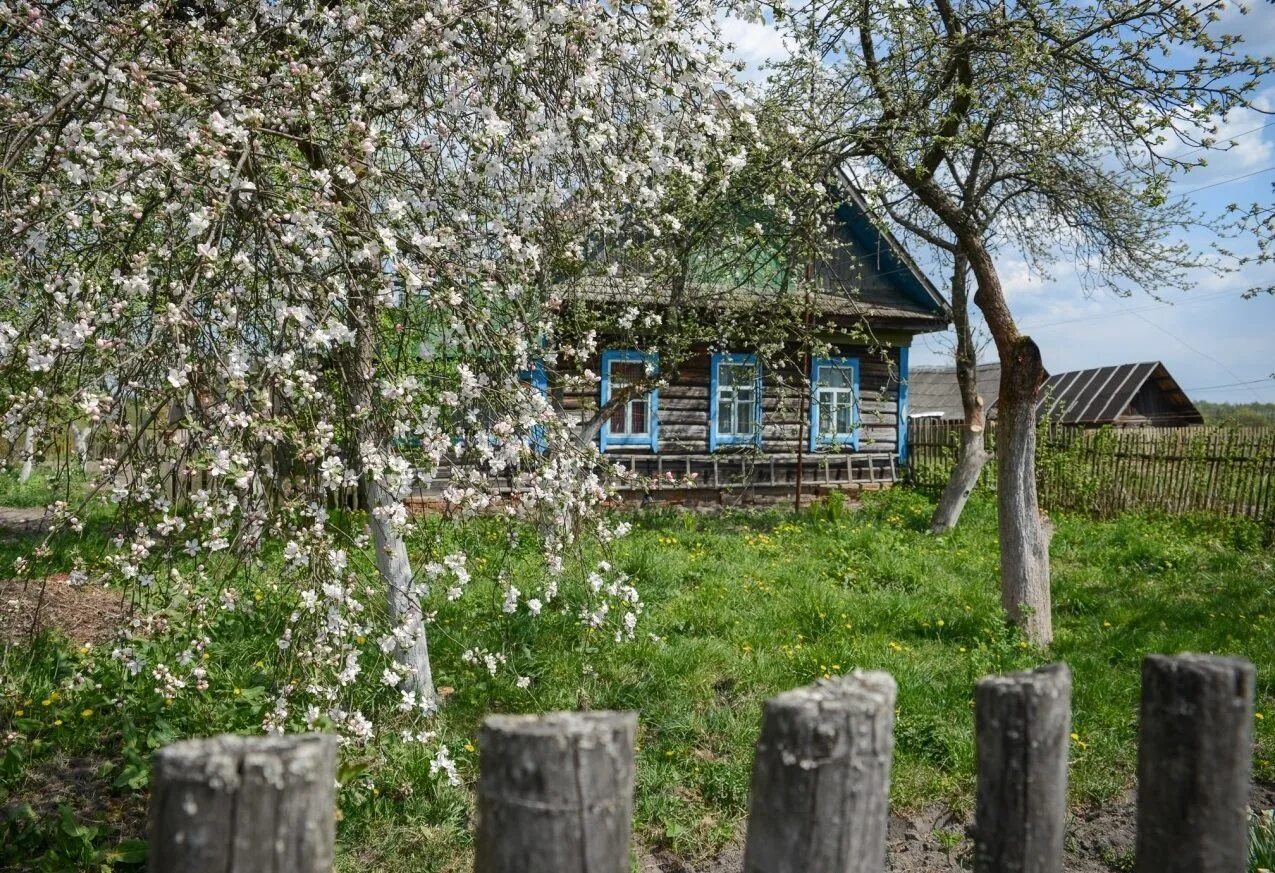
[1237,414]
[739,607]
[1261,843]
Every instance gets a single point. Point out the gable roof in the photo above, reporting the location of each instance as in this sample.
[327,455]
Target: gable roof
[1104,394]
[867,274]
[872,236]
[1099,395]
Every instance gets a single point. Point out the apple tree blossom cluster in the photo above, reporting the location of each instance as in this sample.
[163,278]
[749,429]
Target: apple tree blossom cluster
[257,258]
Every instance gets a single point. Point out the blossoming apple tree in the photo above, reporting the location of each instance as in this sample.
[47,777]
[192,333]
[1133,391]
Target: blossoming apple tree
[269,253]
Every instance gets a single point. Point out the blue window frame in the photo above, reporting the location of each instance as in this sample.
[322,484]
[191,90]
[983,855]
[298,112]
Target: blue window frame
[734,399]
[903,404]
[538,379]
[636,422]
[834,402]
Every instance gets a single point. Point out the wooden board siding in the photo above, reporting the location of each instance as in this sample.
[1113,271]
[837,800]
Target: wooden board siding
[684,406]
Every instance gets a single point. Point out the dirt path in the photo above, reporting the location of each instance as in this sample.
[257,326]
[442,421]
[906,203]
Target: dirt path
[1099,840]
[21,519]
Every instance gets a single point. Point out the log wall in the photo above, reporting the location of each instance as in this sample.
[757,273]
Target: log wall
[684,405]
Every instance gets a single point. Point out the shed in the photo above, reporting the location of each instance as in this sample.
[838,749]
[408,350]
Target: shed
[1124,395]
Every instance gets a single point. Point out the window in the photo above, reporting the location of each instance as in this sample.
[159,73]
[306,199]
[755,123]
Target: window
[735,395]
[635,422]
[538,380]
[834,402]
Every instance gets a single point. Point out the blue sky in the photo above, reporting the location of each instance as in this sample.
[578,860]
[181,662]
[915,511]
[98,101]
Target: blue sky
[1219,346]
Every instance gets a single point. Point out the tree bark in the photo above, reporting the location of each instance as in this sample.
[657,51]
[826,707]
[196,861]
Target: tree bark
[404,606]
[359,368]
[972,456]
[28,455]
[80,440]
[1024,530]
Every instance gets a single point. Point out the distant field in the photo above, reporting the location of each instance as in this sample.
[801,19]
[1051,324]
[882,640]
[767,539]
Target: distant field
[738,607]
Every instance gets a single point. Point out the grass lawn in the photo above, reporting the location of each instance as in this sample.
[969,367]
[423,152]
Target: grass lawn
[738,607]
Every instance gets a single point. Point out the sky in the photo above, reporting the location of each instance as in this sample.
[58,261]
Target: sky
[1219,346]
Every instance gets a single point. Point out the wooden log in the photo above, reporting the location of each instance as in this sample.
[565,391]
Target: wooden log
[1022,723]
[1195,744]
[821,776]
[233,804]
[555,793]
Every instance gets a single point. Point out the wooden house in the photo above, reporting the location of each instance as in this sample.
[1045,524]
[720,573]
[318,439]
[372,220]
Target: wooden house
[730,427]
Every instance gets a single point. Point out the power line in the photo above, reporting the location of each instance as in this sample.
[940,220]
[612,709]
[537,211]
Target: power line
[1231,138]
[1230,385]
[1192,348]
[1229,181]
[1147,308]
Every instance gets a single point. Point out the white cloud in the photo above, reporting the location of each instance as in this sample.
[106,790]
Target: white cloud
[756,43]
[1019,280]
[1245,145]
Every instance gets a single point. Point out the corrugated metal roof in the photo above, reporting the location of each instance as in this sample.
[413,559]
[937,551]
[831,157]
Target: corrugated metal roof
[1106,394]
[1100,395]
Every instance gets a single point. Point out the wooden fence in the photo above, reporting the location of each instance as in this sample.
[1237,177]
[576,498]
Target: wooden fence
[1107,470]
[555,792]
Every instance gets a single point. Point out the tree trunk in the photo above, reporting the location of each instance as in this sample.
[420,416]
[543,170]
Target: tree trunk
[80,439]
[359,367]
[973,453]
[1024,530]
[28,455]
[404,606]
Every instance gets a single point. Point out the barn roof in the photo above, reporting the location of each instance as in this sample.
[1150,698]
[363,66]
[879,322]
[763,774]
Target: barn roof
[1102,394]
[1099,395]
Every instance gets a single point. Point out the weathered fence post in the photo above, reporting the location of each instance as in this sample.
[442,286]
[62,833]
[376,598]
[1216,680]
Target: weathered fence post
[821,778]
[555,793]
[1195,745]
[1022,723]
[233,804]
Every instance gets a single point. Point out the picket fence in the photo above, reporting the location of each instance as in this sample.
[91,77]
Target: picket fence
[555,792]
[1107,471]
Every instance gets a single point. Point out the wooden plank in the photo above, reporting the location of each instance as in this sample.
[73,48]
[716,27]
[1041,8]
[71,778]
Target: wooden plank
[821,773]
[555,793]
[1022,723]
[1195,744]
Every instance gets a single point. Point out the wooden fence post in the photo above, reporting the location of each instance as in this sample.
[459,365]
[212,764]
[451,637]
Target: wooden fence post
[1195,745]
[555,793]
[821,778]
[233,804]
[1022,723]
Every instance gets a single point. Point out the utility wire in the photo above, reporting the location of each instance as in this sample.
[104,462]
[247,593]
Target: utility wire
[1229,181]
[1146,308]
[1189,347]
[1230,385]
[1231,138]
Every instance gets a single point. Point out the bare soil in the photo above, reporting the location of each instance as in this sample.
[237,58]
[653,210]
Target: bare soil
[1099,840]
[85,613]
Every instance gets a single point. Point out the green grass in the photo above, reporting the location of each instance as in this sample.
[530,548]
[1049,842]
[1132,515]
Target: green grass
[738,607]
